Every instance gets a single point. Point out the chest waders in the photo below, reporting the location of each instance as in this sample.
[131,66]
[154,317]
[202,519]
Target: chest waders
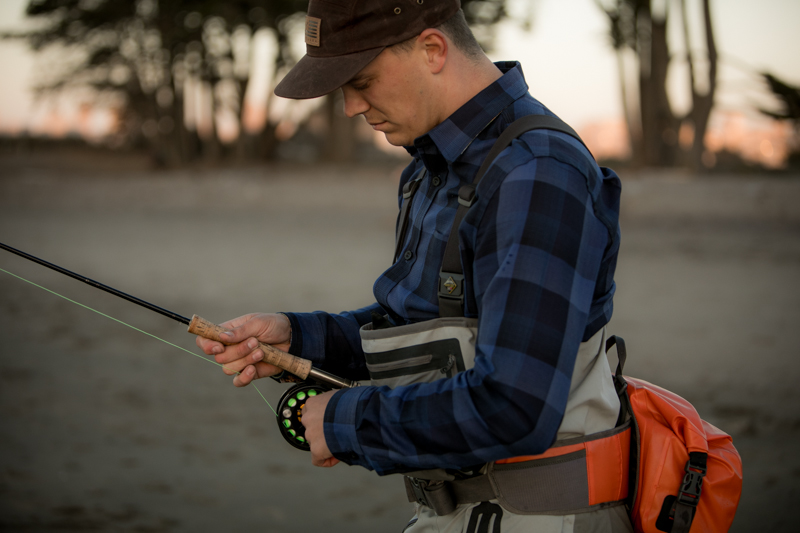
[587,467]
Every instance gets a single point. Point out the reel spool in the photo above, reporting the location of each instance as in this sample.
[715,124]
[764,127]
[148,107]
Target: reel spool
[290,413]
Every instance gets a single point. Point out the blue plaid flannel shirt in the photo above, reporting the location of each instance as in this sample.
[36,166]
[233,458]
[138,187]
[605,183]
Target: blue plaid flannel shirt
[539,250]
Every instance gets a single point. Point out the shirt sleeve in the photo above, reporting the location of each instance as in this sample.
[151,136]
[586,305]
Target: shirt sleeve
[332,341]
[537,251]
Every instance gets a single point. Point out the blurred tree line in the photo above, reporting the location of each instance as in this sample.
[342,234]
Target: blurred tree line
[660,137]
[639,28]
[150,59]
[788,102]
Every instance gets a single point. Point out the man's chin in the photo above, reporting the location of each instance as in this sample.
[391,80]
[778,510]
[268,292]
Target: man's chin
[396,139]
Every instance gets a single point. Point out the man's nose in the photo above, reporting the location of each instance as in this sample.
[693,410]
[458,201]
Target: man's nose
[354,104]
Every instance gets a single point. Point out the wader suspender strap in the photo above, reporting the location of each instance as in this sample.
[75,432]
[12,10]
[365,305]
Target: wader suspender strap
[451,275]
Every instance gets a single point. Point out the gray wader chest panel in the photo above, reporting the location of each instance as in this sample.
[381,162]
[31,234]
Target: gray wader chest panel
[419,353]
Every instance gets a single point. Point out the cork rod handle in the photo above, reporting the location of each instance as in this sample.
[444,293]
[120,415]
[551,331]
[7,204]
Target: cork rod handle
[294,365]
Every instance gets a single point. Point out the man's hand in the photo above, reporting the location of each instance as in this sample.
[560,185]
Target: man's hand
[313,416]
[242,357]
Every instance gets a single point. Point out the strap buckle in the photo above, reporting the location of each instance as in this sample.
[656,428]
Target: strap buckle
[437,495]
[466,195]
[418,486]
[410,188]
[692,485]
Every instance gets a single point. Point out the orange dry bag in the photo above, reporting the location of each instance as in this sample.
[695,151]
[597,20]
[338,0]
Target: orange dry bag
[685,473]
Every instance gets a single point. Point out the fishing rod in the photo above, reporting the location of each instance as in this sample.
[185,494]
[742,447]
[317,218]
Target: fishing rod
[289,412]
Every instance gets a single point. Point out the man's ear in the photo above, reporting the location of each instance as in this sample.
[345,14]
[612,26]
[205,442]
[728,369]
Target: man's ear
[436,49]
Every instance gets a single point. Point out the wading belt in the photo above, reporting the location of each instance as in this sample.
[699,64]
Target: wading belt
[573,476]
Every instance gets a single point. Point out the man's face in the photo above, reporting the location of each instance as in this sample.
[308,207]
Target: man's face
[391,94]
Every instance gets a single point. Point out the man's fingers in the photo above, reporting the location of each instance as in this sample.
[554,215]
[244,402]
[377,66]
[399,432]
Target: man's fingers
[251,372]
[231,365]
[324,462]
[313,414]
[264,370]
[239,351]
[208,346]
[239,337]
[245,377]
[241,328]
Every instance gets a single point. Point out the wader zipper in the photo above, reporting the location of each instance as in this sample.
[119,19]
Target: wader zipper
[405,363]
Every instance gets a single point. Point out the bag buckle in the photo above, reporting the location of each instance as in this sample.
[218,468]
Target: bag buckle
[692,485]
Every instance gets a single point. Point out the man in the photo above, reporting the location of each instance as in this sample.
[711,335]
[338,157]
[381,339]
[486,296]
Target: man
[516,327]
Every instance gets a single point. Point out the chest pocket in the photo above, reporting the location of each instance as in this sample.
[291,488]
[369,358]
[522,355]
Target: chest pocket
[419,353]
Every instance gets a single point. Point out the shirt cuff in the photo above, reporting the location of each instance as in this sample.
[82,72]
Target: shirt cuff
[308,339]
[340,424]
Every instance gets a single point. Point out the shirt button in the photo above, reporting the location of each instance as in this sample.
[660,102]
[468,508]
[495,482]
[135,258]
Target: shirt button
[408,255]
[436,181]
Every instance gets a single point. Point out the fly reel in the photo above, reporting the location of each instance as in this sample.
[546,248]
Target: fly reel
[290,413]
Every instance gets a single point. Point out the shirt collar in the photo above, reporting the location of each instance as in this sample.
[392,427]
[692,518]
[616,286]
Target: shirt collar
[451,138]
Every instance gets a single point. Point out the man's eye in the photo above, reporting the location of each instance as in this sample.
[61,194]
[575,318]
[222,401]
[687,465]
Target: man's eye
[363,86]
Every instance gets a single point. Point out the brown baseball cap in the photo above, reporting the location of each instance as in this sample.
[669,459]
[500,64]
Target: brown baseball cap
[343,36]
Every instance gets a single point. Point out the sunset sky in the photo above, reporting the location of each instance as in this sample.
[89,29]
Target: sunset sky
[567,61]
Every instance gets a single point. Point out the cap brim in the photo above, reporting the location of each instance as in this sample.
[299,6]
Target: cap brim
[317,76]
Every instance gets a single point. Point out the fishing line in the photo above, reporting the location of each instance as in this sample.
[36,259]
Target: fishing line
[132,327]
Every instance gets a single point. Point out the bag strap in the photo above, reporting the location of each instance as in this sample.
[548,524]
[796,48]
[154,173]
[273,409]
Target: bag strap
[622,353]
[451,275]
[685,506]
[620,384]
[678,512]
[626,415]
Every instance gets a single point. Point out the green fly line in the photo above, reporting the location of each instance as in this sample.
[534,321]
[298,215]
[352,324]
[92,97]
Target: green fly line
[134,328]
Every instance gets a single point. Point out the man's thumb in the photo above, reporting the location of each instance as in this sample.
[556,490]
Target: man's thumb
[238,334]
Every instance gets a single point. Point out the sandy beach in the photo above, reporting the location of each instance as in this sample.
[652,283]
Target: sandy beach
[107,429]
